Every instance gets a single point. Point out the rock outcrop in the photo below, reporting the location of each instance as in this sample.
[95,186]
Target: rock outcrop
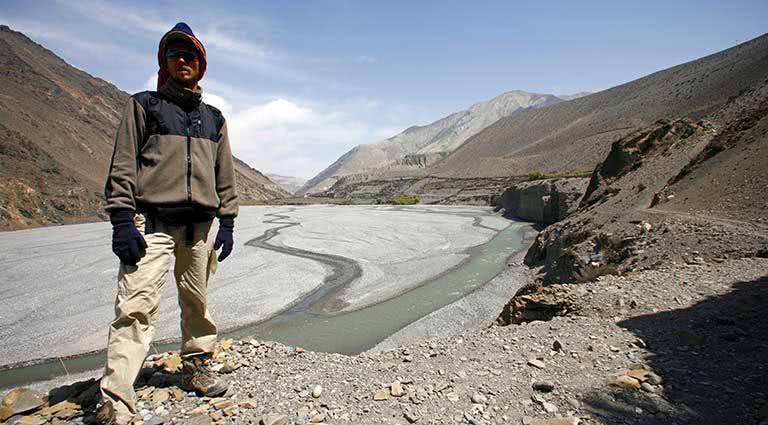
[643,207]
[543,201]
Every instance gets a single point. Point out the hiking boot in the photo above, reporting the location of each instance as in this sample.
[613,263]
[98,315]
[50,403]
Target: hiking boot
[105,413]
[196,375]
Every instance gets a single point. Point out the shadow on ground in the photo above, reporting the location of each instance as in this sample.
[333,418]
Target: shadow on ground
[713,357]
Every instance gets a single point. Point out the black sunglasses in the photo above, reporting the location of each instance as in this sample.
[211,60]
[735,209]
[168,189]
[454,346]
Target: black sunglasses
[187,55]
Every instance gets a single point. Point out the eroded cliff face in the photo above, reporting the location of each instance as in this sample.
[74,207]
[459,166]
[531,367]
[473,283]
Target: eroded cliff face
[543,201]
[632,215]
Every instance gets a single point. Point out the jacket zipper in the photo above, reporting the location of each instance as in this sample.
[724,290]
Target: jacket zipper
[189,163]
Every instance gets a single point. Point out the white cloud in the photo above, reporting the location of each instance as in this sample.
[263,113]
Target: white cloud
[290,138]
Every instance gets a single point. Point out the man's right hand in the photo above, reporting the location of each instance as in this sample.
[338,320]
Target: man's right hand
[127,242]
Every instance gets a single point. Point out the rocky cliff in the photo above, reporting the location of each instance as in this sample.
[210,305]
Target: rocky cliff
[56,128]
[677,191]
[543,201]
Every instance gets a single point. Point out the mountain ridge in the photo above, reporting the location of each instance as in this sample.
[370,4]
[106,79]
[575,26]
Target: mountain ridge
[434,141]
[57,125]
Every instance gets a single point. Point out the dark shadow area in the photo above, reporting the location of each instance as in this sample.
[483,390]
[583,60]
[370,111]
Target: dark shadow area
[712,357]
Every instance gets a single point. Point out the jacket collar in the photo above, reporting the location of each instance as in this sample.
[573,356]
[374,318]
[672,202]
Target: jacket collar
[186,98]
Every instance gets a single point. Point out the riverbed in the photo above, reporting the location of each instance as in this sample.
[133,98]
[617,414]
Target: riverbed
[328,278]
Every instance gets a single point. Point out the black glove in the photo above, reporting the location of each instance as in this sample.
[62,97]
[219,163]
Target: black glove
[127,242]
[224,238]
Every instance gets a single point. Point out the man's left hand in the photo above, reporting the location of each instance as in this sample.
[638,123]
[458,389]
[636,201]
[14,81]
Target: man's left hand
[224,238]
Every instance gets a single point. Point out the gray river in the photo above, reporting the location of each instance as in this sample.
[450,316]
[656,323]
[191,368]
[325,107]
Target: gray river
[336,279]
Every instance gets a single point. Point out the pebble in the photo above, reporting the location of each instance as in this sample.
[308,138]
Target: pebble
[537,363]
[396,389]
[273,420]
[549,407]
[479,398]
[411,417]
[317,391]
[543,386]
[154,420]
[382,394]
[248,404]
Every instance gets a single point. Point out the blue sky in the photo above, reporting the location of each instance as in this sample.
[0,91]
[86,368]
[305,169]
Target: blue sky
[303,82]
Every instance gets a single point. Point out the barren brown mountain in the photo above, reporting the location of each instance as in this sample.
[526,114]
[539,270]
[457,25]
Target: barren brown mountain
[576,135]
[56,128]
[572,136]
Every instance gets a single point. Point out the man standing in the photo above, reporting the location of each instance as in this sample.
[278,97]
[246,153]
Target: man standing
[171,174]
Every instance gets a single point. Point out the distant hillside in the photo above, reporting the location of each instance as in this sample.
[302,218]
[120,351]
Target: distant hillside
[576,135]
[288,183]
[570,136]
[419,147]
[57,125]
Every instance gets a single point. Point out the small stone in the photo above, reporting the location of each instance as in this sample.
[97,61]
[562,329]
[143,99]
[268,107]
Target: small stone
[557,346]
[20,400]
[248,404]
[223,404]
[200,410]
[549,407]
[230,411]
[161,395]
[648,387]
[396,389]
[411,417]
[299,350]
[614,349]
[63,405]
[624,381]
[227,344]
[543,386]
[154,420]
[273,420]
[317,419]
[216,416]
[199,420]
[536,363]
[479,398]
[317,391]
[452,397]
[641,375]
[382,394]
[145,393]
[229,367]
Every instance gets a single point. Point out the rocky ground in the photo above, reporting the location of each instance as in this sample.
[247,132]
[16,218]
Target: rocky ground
[682,344]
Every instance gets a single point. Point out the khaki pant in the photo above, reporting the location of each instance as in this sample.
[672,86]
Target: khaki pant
[138,300]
